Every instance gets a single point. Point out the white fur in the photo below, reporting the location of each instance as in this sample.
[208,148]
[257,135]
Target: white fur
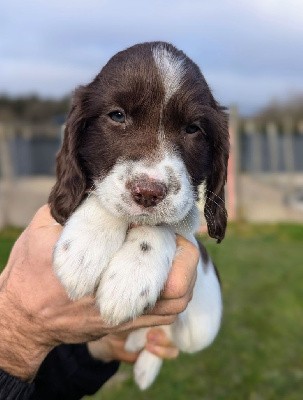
[147,365]
[171,69]
[134,277]
[146,369]
[194,329]
[174,207]
[88,242]
[136,340]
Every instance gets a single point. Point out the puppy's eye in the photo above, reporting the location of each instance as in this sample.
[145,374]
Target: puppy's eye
[117,116]
[192,128]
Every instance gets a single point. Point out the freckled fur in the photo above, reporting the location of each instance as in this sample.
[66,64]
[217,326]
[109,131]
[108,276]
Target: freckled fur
[144,292]
[145,247]
[66,246]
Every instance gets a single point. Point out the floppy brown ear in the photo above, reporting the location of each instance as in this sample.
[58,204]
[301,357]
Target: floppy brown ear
[70,187]
[214,210]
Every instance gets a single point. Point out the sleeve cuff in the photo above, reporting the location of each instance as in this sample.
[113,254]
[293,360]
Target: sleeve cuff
[69,372]
[13,388]
[92,372]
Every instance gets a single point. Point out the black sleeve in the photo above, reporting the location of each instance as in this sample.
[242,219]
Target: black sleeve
[12,388]
[68,372]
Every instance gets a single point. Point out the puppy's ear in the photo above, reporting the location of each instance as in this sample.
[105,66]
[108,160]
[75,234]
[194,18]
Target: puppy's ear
[214,210]
[70,187]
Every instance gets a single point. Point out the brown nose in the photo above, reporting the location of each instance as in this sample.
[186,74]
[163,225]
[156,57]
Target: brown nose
[147,192]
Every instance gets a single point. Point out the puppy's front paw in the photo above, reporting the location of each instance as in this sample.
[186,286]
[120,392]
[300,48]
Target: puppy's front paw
[127,288]
[136,274]
[77,263]
[85,247]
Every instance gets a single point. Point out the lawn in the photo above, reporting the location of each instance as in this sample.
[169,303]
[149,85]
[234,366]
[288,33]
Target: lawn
[258,354]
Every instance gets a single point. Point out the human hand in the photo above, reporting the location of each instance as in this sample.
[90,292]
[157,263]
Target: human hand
[112,347]
[36,313]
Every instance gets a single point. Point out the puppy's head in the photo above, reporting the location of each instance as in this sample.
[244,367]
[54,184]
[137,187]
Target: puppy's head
[143,135]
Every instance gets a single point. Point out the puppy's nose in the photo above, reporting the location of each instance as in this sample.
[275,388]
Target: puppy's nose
[147,192]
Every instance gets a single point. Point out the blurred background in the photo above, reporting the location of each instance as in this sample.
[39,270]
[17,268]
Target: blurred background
[251,54]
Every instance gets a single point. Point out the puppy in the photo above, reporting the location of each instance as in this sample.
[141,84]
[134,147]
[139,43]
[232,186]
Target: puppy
[139,140]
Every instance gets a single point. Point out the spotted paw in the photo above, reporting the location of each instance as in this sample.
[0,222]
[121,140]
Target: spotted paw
[85,248]
[136,274]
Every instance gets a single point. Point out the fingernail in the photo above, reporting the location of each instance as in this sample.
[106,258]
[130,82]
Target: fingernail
[153,337]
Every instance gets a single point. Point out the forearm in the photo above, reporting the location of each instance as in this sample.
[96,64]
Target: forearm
[21,353]
[30,370]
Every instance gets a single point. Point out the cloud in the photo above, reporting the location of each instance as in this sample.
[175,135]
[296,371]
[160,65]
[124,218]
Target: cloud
[50,47]
[251,92]
[45,78]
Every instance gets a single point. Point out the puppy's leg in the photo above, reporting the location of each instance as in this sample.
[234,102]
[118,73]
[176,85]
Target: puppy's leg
[197,326]
[136,274]
[88,241]
[136,340]
[147,365]
[146,369]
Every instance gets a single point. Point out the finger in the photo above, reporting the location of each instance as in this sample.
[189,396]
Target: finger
[170,307]
[192,283]
[43,217]
[122,336]
[183,271]
[163,351]
[128,356]
[145,321]
[158,337]
[94,327]
[119,351]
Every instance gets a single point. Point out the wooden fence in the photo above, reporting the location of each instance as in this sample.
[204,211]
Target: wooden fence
[28,150]
[263,155]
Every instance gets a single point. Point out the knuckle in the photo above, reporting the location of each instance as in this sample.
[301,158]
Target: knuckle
[170,319]
[190,248]
[175,289]
[181,291]
[183,304]
[180,305]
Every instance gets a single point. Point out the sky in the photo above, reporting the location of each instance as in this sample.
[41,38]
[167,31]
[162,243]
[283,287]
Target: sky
[250,52]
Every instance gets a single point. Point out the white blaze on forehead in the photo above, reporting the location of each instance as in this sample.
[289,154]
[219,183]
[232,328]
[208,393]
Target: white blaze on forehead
[171,68]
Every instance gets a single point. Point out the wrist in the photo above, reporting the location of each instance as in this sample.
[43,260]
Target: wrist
[21,346]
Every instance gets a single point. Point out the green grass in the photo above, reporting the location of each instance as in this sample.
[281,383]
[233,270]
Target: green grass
[7,239]
[258,353]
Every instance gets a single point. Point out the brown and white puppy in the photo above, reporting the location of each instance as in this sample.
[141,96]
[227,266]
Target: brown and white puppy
[139,140]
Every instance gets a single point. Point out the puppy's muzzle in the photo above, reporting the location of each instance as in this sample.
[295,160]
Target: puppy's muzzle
[147,192]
